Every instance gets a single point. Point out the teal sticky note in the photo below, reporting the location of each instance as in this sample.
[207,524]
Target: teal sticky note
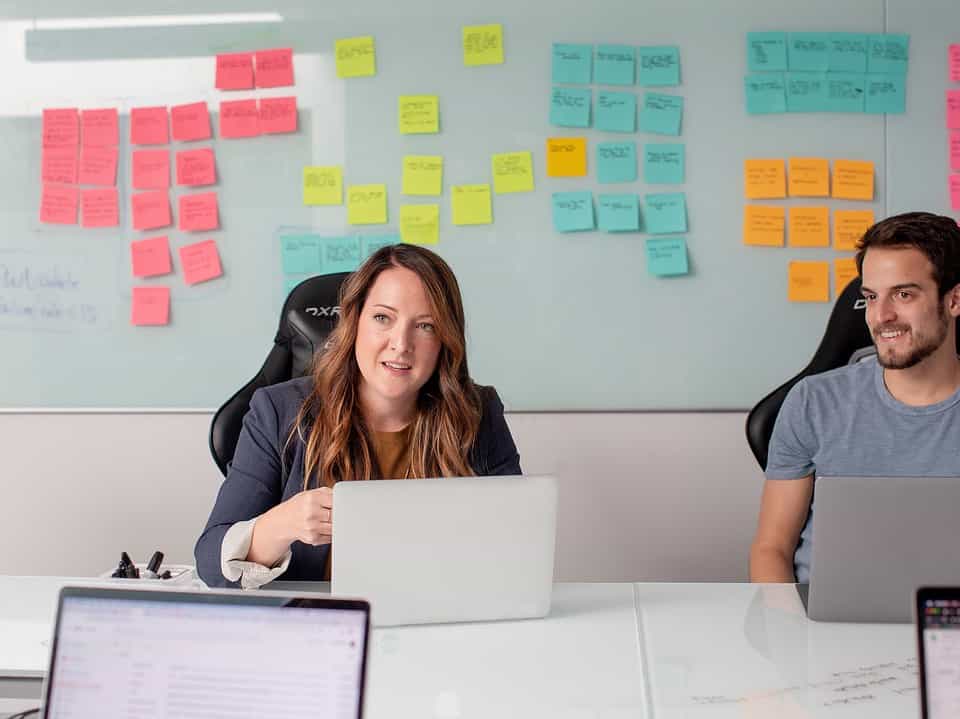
[661,114]
[888,53]
[573,211]
[665,213]
[767,51]
[845,91]
[848,52]
[659,66]
[616,111]
[301,254]
[667,257]
[570,107]
[618,213]
[808,51]
[663,164]
[615,65]
[371,243]
[341,254]
[572,64]
[806,91]
[886,94]
[616,162]
[766,94]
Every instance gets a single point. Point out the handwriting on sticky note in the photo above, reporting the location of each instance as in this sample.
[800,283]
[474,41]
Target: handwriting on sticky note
[852,180]
[322,186]
[198,213]
[300,254]
[617,111]
[808,177]
[274,67]
[419,114]
[659,66]
[844,271]
[422,175]
[666,213]
[151,169]
[764,225]
[196,167]
[661,114]
[239,118]
[616,162]
[59,165]
[618,213]
[849,226]
[512,172]
[566,157]
[58,205]
[99,208]
[809,226]
[667,257]
[190,122]
[570,107]
[61,127]
[808,282]
[572,64]
[616,65]
[472,205]
[954,184]
[482,45]
[367,204]
[278,115]
[200,262]
[340,254]
[955,150]
[953,109]
[98,166]
[235,71]
[150,210]
[148,126]
[356,57]
[767,51]
[150,257]
[420,224]
[764,179]
[573,211]
[150,306]
[99,128]
[663,164]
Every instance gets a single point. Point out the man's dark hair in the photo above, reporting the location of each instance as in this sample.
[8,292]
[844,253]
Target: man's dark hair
[936,236]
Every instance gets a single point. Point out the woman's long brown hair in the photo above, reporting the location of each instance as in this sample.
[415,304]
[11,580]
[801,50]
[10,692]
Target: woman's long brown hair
[330,422]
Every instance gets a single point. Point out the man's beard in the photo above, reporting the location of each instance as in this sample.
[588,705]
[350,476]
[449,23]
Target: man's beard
[923,349]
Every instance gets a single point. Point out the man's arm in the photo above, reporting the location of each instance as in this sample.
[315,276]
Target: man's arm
[783,510]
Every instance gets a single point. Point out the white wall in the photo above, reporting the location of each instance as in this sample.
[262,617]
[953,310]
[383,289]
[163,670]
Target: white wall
[643,496]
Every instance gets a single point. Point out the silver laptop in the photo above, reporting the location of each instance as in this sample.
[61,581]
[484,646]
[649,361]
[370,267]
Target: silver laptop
[162,653]
[938,650]
[876,540]
[446,550]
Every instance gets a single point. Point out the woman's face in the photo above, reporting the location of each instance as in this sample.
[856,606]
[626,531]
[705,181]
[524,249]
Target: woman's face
[397,344]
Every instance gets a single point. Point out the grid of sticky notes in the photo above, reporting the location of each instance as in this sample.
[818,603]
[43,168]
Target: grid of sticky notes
[809,224]
[304,254]
[953,126]
[826,72]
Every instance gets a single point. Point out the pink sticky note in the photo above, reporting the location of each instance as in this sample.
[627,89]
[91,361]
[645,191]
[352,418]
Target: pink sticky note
[239,118]
[953,109]
[278,114]
[954,62]
[98,208]
[59,164]
[151,169]
[58,205]
[198,213]
[61,128]
[955,192]
[200,262]
[196,167]
[190,122]
[150,257]
[274,67]
[235,71]
[150,306]
[99,128]
[955,150]
[148,126]
[150,210]
[98,166]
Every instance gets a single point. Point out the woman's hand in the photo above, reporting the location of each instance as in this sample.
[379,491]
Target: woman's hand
[306,516]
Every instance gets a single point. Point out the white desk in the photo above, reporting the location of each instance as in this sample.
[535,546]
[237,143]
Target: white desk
[607,651]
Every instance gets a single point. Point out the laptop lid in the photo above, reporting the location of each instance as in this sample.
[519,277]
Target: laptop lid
[938,640]
[875,540]
[161,653]
[446,550]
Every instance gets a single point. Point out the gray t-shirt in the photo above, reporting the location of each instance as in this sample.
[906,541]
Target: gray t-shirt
[845,423]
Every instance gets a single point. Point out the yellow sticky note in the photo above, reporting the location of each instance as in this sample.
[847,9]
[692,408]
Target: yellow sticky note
[356,57]
[419,114]
[844,270]
[423,175]
[566,157]
[367,204]
[512,172]
[322,186]
[808,177]
[764,179]
[852,180]
[763,225]
[849,226]
[471,205]
[809,227]
[483,45]
[420,224]
[808,282]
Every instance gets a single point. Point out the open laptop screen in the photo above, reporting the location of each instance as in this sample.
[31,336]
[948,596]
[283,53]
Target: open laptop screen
[938,614]
[159,654]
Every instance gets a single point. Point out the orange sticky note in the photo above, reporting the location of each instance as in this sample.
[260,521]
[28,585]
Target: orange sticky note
[274,67]
[808,282]
[196,167]
[808,177]
[235,71]
[849,226]
[239,118]
[98,208]
[59,164]
[278,115]
[198,213]
[99,128]
[844,270]
[151,169]
[148,126]
[763,225]
[61,127]
[852,180]
[190,122]
[200,262]
[98,166]
[764,179]
[150,257]
[566,157]
[809,227]
[150,306]
[150,210]
[58,205]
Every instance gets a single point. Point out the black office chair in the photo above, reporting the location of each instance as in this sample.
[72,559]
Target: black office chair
[308,316]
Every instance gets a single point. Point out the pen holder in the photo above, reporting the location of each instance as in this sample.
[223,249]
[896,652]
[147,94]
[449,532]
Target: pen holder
[179,574]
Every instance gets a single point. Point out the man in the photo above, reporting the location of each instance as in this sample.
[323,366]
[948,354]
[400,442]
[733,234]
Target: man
[897,415]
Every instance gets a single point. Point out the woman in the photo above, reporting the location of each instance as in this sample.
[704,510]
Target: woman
[390,397]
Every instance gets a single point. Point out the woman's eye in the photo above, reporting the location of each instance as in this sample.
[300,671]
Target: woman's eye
[426,326]
[380,318]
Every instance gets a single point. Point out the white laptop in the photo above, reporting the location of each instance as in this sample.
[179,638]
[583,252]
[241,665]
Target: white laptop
[446,550]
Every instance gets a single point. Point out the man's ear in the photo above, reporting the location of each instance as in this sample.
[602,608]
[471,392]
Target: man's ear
[952,301]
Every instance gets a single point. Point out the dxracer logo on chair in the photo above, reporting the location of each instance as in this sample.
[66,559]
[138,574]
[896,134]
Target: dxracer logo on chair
[323,311]
[860,304]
